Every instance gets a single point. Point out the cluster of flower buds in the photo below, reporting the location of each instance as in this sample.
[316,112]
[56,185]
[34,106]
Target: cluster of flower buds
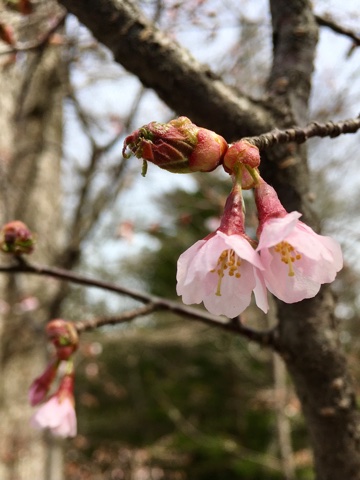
[16,238]
[288,259]
[57,412]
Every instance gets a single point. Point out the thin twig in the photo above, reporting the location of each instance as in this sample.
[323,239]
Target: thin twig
[300,135]
[93,323]
[265,338]
[330,23]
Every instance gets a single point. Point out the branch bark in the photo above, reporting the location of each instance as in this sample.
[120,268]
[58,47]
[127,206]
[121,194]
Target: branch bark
[307,333]
[265,338]
[301,135]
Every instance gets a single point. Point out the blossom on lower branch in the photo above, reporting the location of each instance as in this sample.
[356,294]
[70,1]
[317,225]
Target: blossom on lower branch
[222,271]
[58,413]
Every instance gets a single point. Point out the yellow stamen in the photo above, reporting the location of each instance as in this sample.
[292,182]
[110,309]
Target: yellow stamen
[288,255]
[228,261]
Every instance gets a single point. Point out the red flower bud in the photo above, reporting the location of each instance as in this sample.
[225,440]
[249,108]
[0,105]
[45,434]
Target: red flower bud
[241,152]
[66,387]
[7,34]
[63,335]
[178,146]
[16,238]
[41,385]
[267,203]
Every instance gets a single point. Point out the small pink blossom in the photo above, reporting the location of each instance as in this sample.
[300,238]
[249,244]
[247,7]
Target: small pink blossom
[222,271]
[297,260]
[58,415]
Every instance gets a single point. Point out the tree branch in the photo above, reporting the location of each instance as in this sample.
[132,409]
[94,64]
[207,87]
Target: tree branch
[265,338]
[94,323]
[330,23]
[187,86]
[300,135]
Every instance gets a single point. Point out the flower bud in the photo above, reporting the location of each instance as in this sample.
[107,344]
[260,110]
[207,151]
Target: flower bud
[178,146]
[267,203]
[7,34]
[241,152]
[41,385]
[16,238]
[63,335]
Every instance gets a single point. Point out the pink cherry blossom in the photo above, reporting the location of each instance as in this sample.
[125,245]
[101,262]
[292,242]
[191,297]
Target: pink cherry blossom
[222,271]
[297,260]
[58,415]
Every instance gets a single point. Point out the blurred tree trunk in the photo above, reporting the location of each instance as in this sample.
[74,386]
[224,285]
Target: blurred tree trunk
[31,94]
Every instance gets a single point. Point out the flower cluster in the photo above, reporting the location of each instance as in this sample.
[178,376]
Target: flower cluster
[288,259]
[57,412]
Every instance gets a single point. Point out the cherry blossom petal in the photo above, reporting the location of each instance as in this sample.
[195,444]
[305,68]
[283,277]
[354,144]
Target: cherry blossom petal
[315,246]
[195,264]
[260,292]
[235,294]
[277,229]
[243,248]
[279,283]
[57,416]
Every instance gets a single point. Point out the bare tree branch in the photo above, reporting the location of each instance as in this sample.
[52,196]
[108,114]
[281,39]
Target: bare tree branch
[92,324]
[300,135]
[330,23]
[265,338]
